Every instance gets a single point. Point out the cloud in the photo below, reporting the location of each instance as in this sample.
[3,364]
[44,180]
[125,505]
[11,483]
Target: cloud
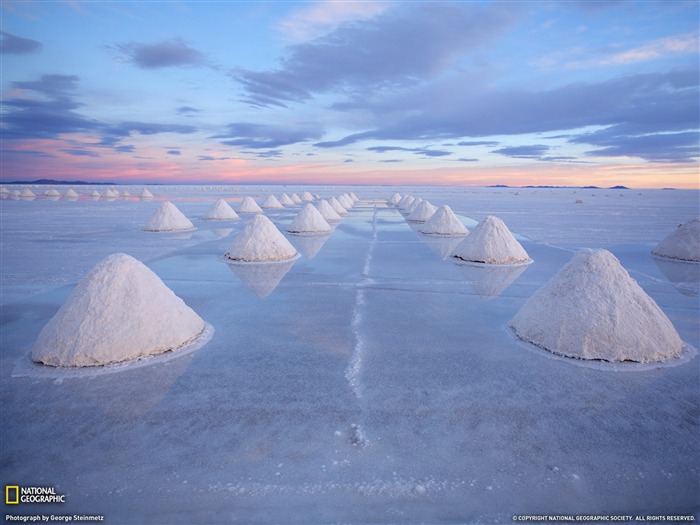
[80,152]
[478,143]
[127,148]
[264,136]
[15,45]
[523,152]
[173,152]
[168,53]
[656,147]
[400,47]
[420,151]
[188,111]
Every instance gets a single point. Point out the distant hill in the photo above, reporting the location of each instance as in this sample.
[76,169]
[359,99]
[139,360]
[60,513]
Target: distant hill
[577,187]
[67,182]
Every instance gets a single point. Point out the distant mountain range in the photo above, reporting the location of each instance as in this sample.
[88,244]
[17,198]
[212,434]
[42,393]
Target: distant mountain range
[70,182]
[578,187]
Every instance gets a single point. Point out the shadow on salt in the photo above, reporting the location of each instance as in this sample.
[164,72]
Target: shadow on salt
[25,367]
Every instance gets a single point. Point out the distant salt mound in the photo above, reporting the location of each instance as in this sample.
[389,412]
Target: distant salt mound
[345,201]
[354,197]
[337,207]
[95,193]
[221,211]
[4,190]
[71,194]
[422,212]
[110,193]
[682,244]
[491,242]
[260,241]
[168,218]
[285,200]
[120,311]
[145,194]
[126,194]
[309,220]
[26,192]
[405,202]
[327,211]
[295,198]
[593,309]
[408,210]
[272,203]
[394,199]
[248,205]
[444,222]
[52,193]
[306,197]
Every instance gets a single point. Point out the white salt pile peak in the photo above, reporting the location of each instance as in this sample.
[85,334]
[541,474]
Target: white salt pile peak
[52,193]
[327,211]
[345,201]
[285,200]
[444,222]
[405,202]
[491,242]
[412,206]
[145,194]
[422,212]
[221,210]
[168,218]
[683,244]
[71,193]
[295,198]
[593,309]
[394,199]
[309,220]
[95,193]
[26,192]
[337,207]
[248,205]
[120,311]
[353,197]
[260,241]
[306,197]
[272,202]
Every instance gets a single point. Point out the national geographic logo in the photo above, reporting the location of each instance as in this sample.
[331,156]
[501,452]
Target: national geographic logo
[14,495]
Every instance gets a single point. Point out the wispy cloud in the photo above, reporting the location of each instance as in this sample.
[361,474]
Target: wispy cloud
[168,53]
[16,45]
[263,136]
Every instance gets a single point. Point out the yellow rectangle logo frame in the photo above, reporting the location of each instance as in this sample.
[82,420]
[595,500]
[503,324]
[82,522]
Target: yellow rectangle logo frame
[7,494]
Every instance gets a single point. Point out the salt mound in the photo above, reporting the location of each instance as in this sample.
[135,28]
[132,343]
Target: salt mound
[260,241]
[26,192]
[145,194]
[221,211]
[309,220]
[422,212]
[353,197]
[444,222]
[168,218]
[683,244]
[52,193]
[248,205]
[4,190]
[593,309]
[71,193]
[285,200]
[394,199]
[327,211]
[345,201]
[272,202]
[126,194]
[491,243]
[120,311]
[306,197]
[412,206]
[95,193]
[295,198]
[337,207]
[405,202]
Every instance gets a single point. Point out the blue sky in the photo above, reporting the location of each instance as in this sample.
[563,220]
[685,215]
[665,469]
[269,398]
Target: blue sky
[458,93]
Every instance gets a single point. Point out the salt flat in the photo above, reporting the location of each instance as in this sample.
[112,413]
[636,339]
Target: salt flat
[368,381]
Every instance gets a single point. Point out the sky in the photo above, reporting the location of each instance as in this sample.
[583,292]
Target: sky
[449,93]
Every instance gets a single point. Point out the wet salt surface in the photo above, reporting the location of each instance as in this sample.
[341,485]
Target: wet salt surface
[372,382]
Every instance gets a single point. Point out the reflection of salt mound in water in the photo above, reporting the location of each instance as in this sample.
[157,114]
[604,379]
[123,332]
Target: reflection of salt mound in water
[222,232]
[394,199]
[285,200]
[272,203]
[71,194]
[262,279]
[593,309]
[490,282]
[145,194]
[309,220]
[120,311]
[683,244]
[248,205]
[684,275]
[422,212]
[168,218]
[444,222]
[443,245]
[327,211]
[260,241]
[306,197]
[221,211]
[310,245]
[491,243]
